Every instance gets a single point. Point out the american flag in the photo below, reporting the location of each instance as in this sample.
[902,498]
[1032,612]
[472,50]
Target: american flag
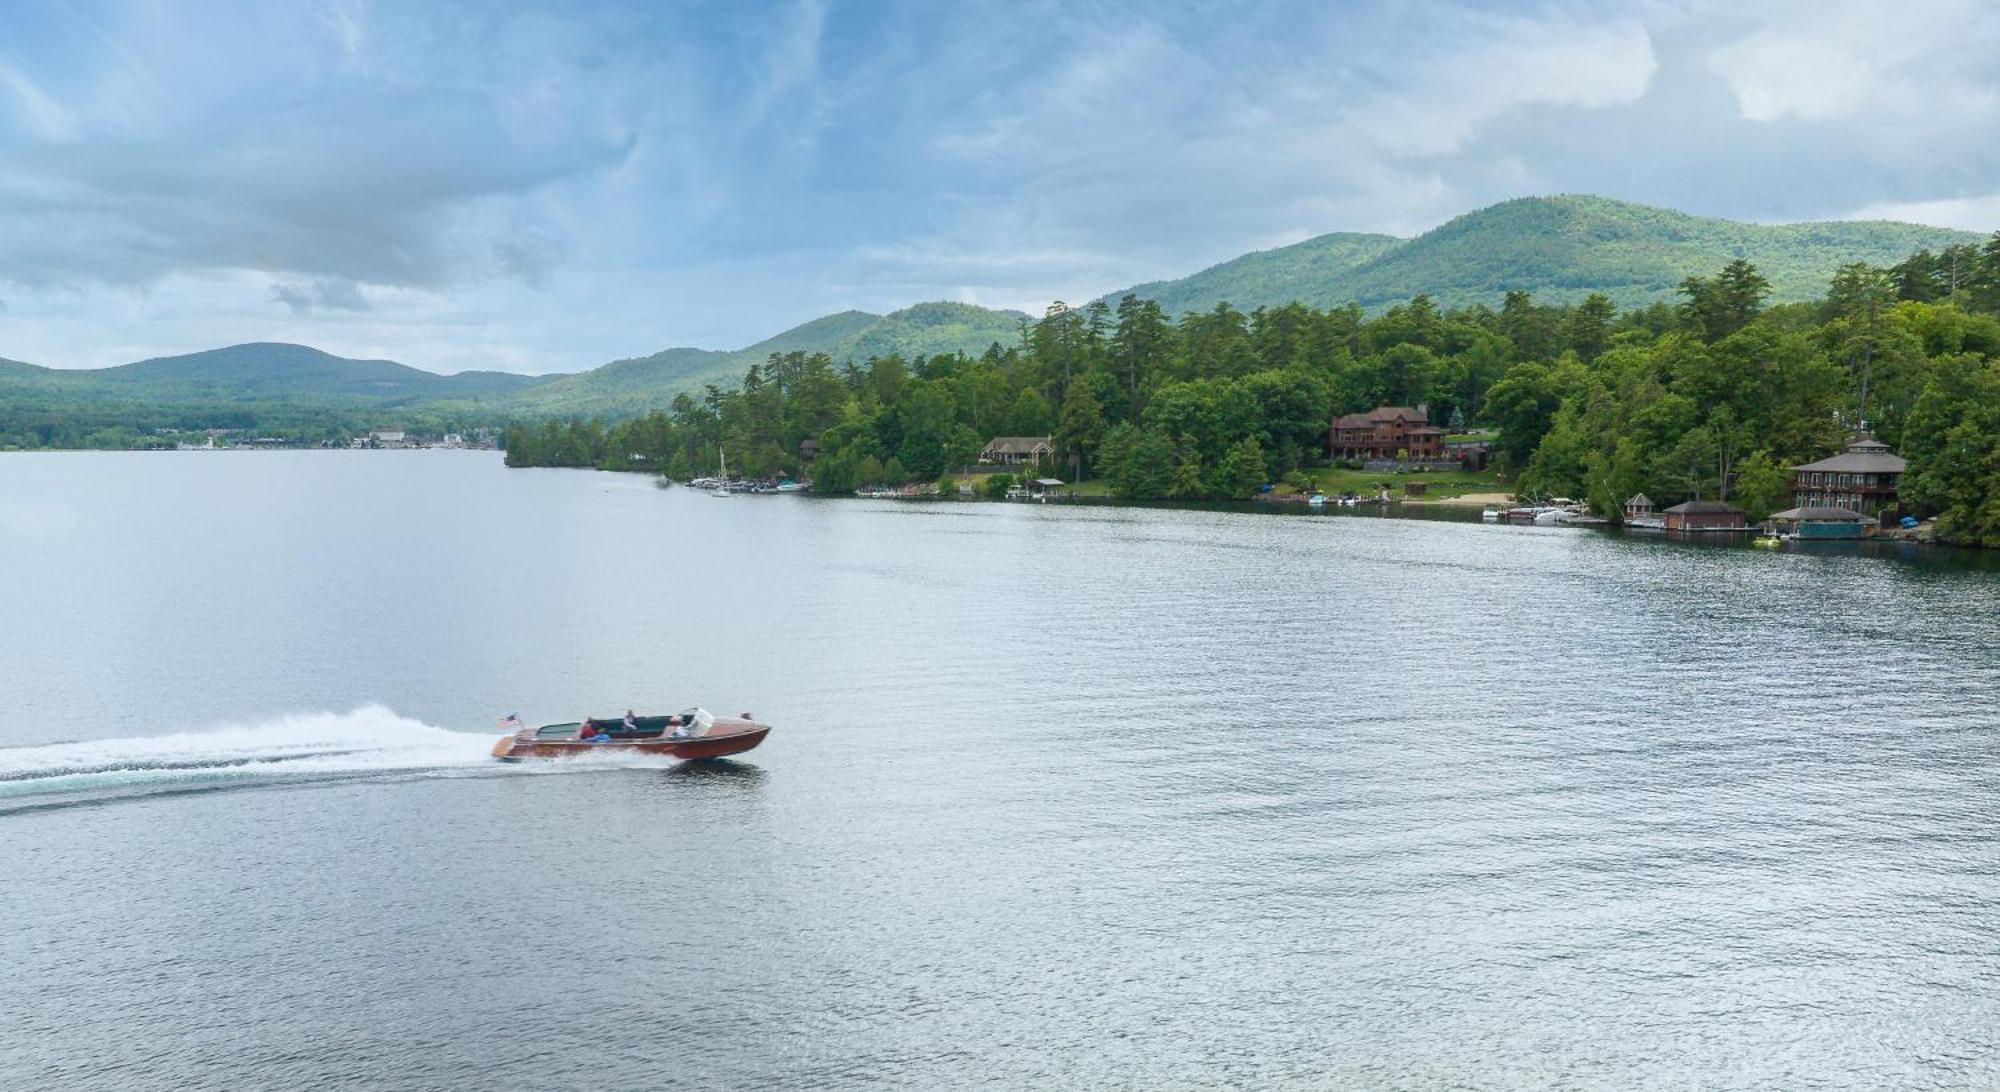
[511,722]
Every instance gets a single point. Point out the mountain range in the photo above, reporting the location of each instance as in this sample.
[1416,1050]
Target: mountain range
[1560,249]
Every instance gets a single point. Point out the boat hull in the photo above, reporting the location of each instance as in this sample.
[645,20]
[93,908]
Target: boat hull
[728,737]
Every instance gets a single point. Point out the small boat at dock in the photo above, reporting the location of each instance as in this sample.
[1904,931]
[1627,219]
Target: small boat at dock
[694,734]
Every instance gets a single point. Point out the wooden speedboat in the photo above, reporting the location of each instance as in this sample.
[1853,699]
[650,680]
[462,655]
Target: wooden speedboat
[694,734]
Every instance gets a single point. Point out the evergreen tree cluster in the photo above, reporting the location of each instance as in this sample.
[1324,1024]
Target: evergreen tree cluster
[1716,397]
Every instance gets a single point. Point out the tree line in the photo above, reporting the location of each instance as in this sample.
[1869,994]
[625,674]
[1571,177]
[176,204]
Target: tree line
[1713,395]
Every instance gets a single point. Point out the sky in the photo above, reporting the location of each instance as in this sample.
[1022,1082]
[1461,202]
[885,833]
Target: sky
[546,187]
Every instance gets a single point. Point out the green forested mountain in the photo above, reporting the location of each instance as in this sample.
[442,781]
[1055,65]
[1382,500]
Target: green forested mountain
[279,387]
[292,390]
[1515,256]
[1559,249]
[1268,278]
[1713,396]
[625,387]
[267,371]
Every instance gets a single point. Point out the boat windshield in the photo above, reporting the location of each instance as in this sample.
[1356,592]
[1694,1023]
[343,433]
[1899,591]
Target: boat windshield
[698,721]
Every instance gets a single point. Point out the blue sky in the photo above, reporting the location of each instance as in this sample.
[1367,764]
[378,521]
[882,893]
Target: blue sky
[547,187]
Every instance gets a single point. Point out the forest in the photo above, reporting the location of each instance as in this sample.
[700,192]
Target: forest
[1714,395]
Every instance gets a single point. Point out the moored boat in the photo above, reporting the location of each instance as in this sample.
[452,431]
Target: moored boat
[694,734]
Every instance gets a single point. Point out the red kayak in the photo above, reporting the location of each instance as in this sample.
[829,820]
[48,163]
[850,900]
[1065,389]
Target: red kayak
[694,734]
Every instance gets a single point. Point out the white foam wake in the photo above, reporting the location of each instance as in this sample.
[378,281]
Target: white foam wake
[306,746]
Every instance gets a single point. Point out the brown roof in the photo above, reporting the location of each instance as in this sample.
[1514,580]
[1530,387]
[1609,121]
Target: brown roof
[1391,413]
[1702,507]
[1426,430]
[1353,420]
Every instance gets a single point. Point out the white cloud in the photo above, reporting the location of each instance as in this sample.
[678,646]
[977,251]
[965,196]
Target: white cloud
[348,22]
[1980,214]
[324,294]
[42,115]
[1492,65]
[1848,60]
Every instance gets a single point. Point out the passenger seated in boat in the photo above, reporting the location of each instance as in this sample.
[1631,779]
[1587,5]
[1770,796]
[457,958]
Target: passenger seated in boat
[679,728]
[591,733]
[631,721]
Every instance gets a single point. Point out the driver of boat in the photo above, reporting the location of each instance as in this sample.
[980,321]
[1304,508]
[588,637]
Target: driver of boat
[591,733]
[631,722]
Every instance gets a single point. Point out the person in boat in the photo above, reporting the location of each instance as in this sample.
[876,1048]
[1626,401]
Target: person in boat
[588,732]
[631,722]
[679,728]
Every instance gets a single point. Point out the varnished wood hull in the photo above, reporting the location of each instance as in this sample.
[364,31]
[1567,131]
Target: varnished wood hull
[727,737]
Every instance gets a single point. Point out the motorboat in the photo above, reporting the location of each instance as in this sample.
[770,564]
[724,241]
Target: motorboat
[1317,500]
[694,734]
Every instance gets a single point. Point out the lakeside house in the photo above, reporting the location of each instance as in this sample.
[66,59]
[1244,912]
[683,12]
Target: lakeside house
[387,437]
[1638,506]
[1017,450]
[1821,522]
[1385,432]
[1864,478]
[1701,515]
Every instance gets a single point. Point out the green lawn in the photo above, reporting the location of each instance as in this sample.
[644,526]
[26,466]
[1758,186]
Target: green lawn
[1335,480]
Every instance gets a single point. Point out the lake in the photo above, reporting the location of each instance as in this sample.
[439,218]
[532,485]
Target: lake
[1056,796]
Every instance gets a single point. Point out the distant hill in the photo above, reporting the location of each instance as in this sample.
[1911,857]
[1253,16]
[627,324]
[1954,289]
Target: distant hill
[651,382]
[1558,248]
[273,374]
[1561,249]
[266,372]
[1268,277]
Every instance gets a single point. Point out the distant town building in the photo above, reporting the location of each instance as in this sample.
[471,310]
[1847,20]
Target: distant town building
[387,437]
[1017,450]
[1385,432]
[1864,478]
[1701,515]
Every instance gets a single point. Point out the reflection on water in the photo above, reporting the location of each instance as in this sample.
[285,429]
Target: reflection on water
[1056,795]
[718,771]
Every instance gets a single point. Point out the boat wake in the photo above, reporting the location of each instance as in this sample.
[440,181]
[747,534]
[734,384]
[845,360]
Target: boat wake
[369,743]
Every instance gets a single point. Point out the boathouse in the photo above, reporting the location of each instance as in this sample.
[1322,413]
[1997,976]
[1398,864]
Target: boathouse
[1638,504]
[1863,478]
[1821,522]
[1017,450]
[1701,515]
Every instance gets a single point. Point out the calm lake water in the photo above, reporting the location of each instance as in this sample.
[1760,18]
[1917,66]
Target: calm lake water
[1057,796]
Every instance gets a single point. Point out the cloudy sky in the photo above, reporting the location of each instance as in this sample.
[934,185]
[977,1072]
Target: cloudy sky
[546,187]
